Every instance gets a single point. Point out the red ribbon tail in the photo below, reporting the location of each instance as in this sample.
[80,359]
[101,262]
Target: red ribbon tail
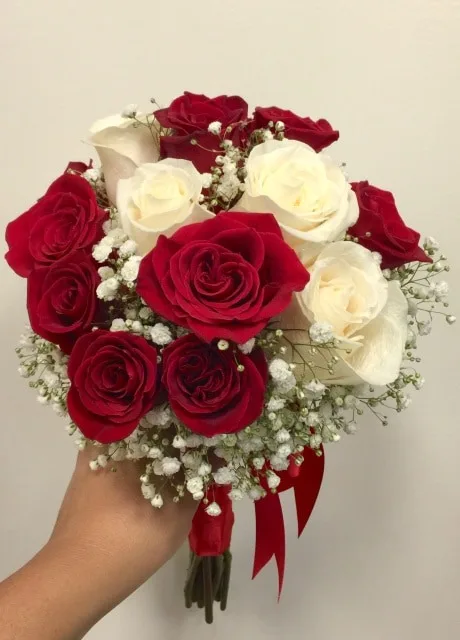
[307,486]
[270,538]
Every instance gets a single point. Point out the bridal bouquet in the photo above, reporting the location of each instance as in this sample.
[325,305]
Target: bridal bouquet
[218,299]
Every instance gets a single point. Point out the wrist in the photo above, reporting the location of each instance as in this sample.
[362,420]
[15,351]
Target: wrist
[87,577]
[48,599]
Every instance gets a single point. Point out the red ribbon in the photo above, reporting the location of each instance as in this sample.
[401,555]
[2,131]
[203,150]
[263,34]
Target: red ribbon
[270,540]
[306,489]
[211,535]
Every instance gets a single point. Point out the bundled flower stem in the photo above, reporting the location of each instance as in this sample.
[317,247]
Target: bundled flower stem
[208,581]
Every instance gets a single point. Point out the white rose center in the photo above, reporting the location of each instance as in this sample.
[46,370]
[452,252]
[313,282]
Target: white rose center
[306,192]
[159,192]
[158,199]
[346,289]
[297,180]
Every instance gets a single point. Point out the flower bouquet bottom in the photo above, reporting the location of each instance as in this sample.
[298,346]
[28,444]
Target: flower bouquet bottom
[208,577]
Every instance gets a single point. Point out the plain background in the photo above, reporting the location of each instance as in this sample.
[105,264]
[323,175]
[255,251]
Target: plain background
[380,558]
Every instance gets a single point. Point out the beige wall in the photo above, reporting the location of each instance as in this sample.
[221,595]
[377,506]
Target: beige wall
[380,559]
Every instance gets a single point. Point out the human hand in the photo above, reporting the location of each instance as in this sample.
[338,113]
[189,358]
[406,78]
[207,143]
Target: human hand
[105,514]
[106,542]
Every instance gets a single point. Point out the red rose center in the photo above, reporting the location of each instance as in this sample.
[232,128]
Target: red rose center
[114,379]
[207,376]
[215,278]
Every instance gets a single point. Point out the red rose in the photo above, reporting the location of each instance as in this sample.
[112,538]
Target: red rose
[381,228]
[113,377]
[190,116]
[61,299]
[66,218]
[78,167]
[206,390]
[222,278]
[317,134]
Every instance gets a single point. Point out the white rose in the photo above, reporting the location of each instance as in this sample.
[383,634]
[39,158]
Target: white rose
[306,192]
[368,316]
[122,145]
[158,199]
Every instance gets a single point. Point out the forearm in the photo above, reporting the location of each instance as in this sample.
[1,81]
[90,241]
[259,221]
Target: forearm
[55,596]
[74,581]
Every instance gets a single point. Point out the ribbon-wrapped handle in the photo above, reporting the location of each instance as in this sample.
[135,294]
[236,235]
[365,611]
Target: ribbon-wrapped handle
[211,535]
[208,577]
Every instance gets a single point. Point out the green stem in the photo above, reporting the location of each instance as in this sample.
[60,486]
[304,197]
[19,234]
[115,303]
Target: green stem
[208,589]
[191,577]
[208,580]
[226,580]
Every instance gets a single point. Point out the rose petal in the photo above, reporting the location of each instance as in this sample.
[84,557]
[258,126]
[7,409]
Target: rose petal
[122,147]
[378,360]
[263,222]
